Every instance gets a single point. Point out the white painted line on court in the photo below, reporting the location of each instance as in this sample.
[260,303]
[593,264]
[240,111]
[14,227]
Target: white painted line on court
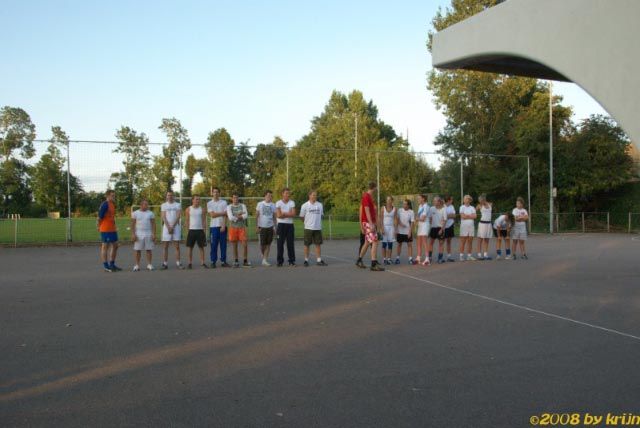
[514,305]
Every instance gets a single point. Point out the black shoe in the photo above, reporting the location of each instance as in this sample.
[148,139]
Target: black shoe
[375,266]
[189,266]
[292,264]
[524,256]
[306,263]
[322,263]
[164,266]
[115,268]
[279,265]
[213,266]
[225,265]
[204,266]
[360,264]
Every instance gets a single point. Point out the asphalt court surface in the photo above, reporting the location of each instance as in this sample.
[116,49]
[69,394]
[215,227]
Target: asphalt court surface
[461,344]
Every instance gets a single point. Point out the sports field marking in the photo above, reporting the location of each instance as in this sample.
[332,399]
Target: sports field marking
[504,302]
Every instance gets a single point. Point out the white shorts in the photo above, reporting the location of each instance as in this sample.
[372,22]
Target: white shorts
[389,234]
[423,228]
[467,230]
[175,236]
[143,243]
[519,232]
[485,230]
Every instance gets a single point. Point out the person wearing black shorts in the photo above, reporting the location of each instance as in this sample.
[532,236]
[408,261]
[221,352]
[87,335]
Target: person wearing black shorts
[196,219]
[437,217]
[449,225]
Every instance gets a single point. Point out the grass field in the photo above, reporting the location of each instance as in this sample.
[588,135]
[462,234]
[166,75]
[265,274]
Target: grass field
[48,231]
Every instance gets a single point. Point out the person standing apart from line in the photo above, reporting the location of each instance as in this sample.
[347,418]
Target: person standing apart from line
[217,209]
[502,231]
[437,218]
[285,212]
[311,213]
[143,234]
[237,214]
[171,211]
[423,230]
[468,215]
[196,218]
[108,232]
[389,227]
[368,221]
[449,226]
[265,225]
[519,232]
[485,231]
[406,218]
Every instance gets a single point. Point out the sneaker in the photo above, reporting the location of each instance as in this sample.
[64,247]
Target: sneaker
[426,262]
[413,262]
[461,258]
[225,265]
[471,259]
[441,261]
[136,268]
[189,266]
[360,264]
[376,267]
[488,258]
[150,267]
[508,257]
[164,266]
[204,266]
[451,259]
[279,265]
[266,263]
[179,266]
[515,257]
[292,264]
[213,266]
[481,258]
[397,261]
[524,256]
[321,263]
[246,264]
[306,263]
[107,269]
[498,257]
[236,264]
[114,268]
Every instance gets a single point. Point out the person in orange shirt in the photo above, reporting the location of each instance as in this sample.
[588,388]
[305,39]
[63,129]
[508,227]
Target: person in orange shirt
[108,232]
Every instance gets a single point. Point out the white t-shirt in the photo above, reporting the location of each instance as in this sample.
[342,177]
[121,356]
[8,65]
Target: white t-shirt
[485,213]
[423,210]
[219,206]
[143,222]
[266,211]
[405,219]
[467,210]
[195,218]
[519,212]
[388,217]
[171,210]
[450,209]
[285,207]
[436,216]
[502,222]
[312,214]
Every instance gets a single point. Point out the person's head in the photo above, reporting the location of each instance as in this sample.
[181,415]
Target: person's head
[195,201]
[169,196]
[110,195]
[389,201]
[144,205]
[372,186]
[422,199]
[437,201]
[467,200]
[235,198]
[520,202]
[268,195]
[286,194]
[313,196]
[506,214]
[482,199]
[406,204]
[448,199]
[215,193]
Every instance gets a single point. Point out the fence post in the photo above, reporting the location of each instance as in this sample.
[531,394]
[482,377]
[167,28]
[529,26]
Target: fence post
[629,221]
[557,222]
[583,229]
[330,230]
[608,223]
[15,231]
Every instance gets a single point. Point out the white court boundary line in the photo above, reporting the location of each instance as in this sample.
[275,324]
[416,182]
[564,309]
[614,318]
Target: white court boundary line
[513,305]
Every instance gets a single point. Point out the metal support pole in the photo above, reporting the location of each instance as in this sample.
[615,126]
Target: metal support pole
[15,231]
[355,168]
[608,222]
[529,192]
[583,228]
[550,157]
[69,231]
[330,229]
[378,176]
[629,221]
[461,180]
[287,161]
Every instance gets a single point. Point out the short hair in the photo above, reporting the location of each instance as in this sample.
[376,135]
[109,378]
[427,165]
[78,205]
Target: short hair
[109,192]
[467,196]
[235,194]
[144,200]
[215,188]
[286,189]
[169,191]
[312,191]
[194,196]
[448,198]
[520,199]
[390,197]
[423,196]
[266,192]
[372,185]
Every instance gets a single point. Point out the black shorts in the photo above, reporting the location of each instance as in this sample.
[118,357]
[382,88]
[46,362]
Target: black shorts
[503,233]
[266,235]
[196,237]
[403,238]
[435,233]
[312,237]
[449,232]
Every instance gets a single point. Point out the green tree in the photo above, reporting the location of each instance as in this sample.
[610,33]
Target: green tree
[179,143]
[268,168]
[135,177]
[221,155]
[49,178]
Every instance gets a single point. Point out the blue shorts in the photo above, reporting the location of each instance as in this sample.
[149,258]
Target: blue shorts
[109,237]
[388,245]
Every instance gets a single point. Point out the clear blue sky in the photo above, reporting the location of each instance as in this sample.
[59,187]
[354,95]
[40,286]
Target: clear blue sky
[257,68]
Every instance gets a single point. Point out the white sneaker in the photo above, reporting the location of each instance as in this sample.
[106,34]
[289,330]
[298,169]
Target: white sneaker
[471,258]
[509,257]
[498,257]
[150,267]
[265,263]
[461,258]
[136,268]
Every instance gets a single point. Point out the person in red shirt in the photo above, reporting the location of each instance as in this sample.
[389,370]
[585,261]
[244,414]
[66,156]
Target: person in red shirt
[368,221]
[108,232]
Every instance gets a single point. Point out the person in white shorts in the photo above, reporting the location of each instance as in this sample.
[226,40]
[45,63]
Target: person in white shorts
[406,219]
[485,229]
[389,225]
[143,234]
[311,213]
[171,229]
[502,230]
[468,215]
[437,218]
[423,229]
[519,231]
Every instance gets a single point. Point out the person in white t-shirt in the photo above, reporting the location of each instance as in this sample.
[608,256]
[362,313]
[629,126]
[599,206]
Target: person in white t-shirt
[285,212]
[468,215]
[485,229]
[171,229]
[196,218]
[311,213]
[143,234]
[423,229]
[389,224]
[437,219]
[217,209]
[502,230]
[406,219]
[238,218]
[266,225]
[449,225]
[519,231]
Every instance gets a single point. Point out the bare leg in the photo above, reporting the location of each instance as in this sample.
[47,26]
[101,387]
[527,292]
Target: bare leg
[374,251]
[463,241]
[103,252]
[469,244]
[514,247]
[177,246]
[165,252]
[201,255]
[190,254]
[306,252]
[137,257]
[114,251]
[522,247]
[149,256]
[235,250]
[318,252]
[245,250]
